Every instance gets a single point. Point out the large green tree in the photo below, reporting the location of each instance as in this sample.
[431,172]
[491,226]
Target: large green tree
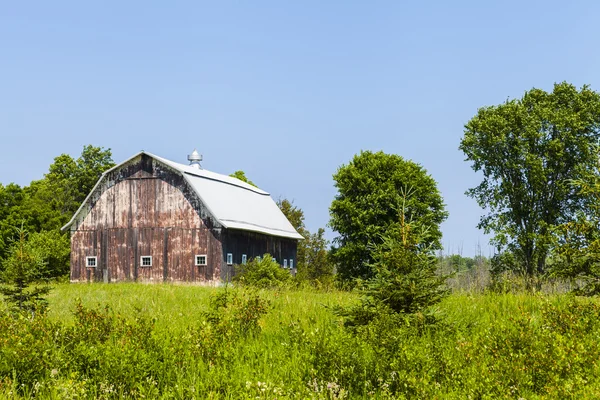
[368,204]
[527,150]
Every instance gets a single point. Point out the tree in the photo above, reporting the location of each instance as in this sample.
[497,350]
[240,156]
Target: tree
[367,205]
[11,200]
[404,280]
[241,175]
[23,267]
[312,259]
[576,252]
[46,205]
[70,181]
[527,150]
[54,247]
[316,267]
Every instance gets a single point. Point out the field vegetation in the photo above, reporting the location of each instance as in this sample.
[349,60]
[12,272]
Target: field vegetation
[177,341]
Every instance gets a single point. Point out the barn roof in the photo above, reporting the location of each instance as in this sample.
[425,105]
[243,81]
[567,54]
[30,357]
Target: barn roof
[233,203]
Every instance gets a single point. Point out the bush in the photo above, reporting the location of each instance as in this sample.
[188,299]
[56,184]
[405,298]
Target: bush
[262,273]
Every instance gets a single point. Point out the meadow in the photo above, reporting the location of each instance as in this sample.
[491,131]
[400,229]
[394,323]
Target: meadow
[178,341]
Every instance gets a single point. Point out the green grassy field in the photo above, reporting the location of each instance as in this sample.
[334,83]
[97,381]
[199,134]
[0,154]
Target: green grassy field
[163,341]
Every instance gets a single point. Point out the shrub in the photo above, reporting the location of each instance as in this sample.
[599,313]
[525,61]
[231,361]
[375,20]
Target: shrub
[262,273]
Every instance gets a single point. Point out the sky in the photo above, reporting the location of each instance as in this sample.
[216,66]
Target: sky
[285,91]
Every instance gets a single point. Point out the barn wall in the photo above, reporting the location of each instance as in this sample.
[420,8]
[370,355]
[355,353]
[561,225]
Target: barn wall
[255,244]
[144,212]
[119,252]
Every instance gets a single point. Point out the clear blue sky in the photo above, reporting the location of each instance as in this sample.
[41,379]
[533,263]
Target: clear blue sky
[286,91]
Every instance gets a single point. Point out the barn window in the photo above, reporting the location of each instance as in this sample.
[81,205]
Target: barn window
[285,263]
[291,263]
[146,261]
[258,258]
[274,259]
[91,261]
[244,259]
[229,259]
[201,259]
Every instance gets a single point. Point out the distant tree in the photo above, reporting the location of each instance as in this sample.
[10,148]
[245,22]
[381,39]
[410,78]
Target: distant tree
[241,175]
[294,214]
[367,205]
[296,217]
[527,150]
[22,268]
[316,267]
[72,180]
[312,260]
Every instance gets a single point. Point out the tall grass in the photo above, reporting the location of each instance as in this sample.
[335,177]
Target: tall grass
[172,341]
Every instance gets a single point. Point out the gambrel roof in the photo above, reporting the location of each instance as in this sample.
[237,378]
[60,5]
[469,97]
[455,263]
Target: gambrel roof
[233,203]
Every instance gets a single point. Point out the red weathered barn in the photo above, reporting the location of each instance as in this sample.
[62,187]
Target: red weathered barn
[154,220]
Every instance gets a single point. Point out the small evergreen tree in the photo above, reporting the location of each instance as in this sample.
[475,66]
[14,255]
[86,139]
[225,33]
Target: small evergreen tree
[22,268]
[404,274]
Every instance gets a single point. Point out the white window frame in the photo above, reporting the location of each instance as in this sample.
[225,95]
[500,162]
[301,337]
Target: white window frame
[88,259]
[291,263]
[229,258]
[244,259]
[142,261]
[274,259]
[197,263]
[285,263]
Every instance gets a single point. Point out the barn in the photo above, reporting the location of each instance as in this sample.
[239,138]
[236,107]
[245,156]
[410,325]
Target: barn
[149,219]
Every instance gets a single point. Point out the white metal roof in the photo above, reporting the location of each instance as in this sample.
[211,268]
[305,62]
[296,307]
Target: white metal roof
[234,203]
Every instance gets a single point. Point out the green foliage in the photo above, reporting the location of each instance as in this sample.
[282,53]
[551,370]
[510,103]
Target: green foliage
[165,341]
[405,280]
[11,200]
[313,264]
[232,316]
[262,273]
[22,268]
[366,208]
[44,206]
[316,266]
[527,150]
[54,247]
[576,254]
[241,175]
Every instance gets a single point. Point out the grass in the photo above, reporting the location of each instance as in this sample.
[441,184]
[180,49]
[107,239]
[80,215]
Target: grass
[484,346]
[178,306]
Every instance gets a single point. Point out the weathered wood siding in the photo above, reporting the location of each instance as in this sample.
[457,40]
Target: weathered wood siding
[255,244]
[144,212]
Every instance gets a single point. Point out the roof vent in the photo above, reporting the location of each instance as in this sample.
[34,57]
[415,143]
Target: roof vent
[195,159]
